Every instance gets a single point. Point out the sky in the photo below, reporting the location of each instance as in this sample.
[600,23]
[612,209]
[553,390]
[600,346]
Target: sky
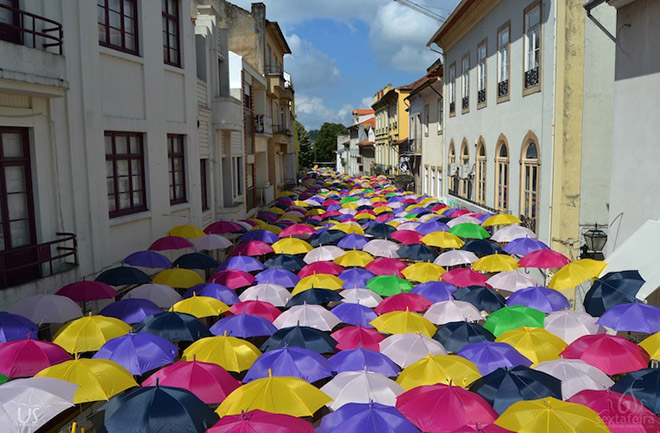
[344,51]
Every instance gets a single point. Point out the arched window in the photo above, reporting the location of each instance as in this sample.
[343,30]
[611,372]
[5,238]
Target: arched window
[502,176]
[465,183]
[529,183]
[453,177]
[481,172]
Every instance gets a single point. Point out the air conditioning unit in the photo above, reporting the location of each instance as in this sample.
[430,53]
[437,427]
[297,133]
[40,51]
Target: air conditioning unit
[452,169]
[464,171]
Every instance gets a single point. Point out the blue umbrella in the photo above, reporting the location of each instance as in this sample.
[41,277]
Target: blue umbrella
[634,317]
[291,362]
[612,289]
[326,237]
[506,386]
[540,298]
[243,263]
[356,278]
[148,259]
[314,296]
[435,291]
[131,310]
[195,261]
[380,230]
[354,314]
[455,335]
[432,226]
[138,353]
[642,384]
[123,275]
[417,252]
[300,336]
[15,327]
[484,298]
[352,242]
[285,261]
[524,246]
[173,326]
[489,356]
[360,359]
[243,326]
[259,235]
[213,290]
[281,277]
[366,418]
[482,247]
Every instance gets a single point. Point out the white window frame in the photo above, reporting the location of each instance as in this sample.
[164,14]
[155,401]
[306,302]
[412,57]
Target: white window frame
[532,41]
[427,119]
[503,58]
[465,81]
[440,113]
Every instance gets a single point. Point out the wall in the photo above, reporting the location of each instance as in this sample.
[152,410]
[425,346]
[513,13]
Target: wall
[433,151]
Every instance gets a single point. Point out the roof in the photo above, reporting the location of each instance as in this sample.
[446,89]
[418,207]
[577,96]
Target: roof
[278,32]
[466,13]
[366,143]
[361,111]
[371,122]
[435,71]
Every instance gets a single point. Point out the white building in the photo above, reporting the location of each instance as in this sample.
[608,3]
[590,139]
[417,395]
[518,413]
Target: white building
[343,151]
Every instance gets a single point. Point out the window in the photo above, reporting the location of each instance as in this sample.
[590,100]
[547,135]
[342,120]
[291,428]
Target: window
[177,172]
[453,170]
[431,192]
[481,173]
[532,42]
[427,119]
[465,182]
[171,33]
[452,89]
[204,183]
[237,162]
[503,47]
[465,81]
[482,52]
[529,183]
[124,162]
[426,180]
[440,112]
[502,177]
[117,24]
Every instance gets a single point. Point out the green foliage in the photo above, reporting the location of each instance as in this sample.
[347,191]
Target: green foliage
[326,142]
[306,154]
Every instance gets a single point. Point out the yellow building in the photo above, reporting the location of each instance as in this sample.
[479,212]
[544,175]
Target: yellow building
[391,126]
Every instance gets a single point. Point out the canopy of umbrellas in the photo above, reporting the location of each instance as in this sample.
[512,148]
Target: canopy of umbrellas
[349,306]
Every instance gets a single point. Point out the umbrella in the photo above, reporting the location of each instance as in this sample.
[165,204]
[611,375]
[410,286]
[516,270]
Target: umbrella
[131,310]
[84,291]
[435,291]
[388,285]
[482,247]
[644,385]
[320,268]
[231,353]
[285,261]
[259,235]
[544,259]
[213,290]
[123,275]
[173,326]
[540,298]
[501,219]
[511,281]
[423,272]
[361,387]
[536,344]
[257,308]
[195,261]
[444,408]
[403,302]
[576,273]
[300,336]
[224,227]
[575,376]
[381,248]
[360,359]
[147,259]
[463,218]
[512,233]
[353,241]
[25,358]
[314,296]
[612,289]
[354,258]
[433,369]
[354,314]
[489,356]
[314,316]
[271,293]
[516,316]
[171,243]
[98,379]
[407,237]
[318,281]
[432,227]
[290,362]
[508,385]
[200,306]
[209,382]
[651,344]
[325,253]
[284,395]
[243,326]
[522,246]
[609,353]
[327,237]
[138,353]
[186,231]
[455,335]
[277,276]
[160,294]
[469,231]
[417,252]
[380,230]
[302,231]
[401,322]
[386,266]
[258,421]
[482,297]
[354,337]
[452,311]
[355,278]
[292,246]
[178,277]
[211,242]
[442,240]
[495,263]
[463,277]
[365,418]
[233,278]
[456,258]
[571,325]
[634,317]
[89,333]
[47,309]
[406,349]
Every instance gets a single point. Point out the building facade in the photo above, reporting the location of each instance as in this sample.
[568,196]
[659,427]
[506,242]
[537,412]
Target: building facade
[391,120]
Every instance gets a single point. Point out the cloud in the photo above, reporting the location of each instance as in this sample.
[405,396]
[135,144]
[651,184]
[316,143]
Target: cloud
[296,11]
[367,101]
[313,112]
[310,67]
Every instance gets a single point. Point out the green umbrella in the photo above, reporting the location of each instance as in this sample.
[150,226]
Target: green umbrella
[3,379]
[516,316]
[469,231]
[411,216]
[388,285]
[349,199]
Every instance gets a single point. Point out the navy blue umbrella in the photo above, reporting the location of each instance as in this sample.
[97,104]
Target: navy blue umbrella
[508,385]
[614,288]
[380,230]
[326,237]
[484,298]
[157,409]
[418,252]
[123,275]
[285,261]
[642,384]
[196,261]
[314,296]
[455,335]
[173,326]
[300,336]
[482,247]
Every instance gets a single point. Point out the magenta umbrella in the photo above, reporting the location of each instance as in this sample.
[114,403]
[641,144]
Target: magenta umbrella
[544,259]
[407,237]
[464,277]
[608,353]
[84,291]
[257,421]
[297,230]
[320,268]
[232,278]
[224,227]
[386,266]
[171,243]
[25,358]
[403,302]
[490,428]
[252,248]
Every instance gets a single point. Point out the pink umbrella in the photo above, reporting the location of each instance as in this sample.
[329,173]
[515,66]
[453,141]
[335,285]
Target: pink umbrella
[403,302]
[25,358]
[438,207]
[443,408]
[386,266]
[544,259]
[383,217]
[297,230]
[327,203]
[490,428]
[224,227]
[232,278]
[84,291]
[407,237]
[257,308]
[411,201]
[252,248]
[257,421]
[320,268]
[609,353]
[171,243]
[464,277]
[330,213]
[354,337]
[457,213]
[210,382]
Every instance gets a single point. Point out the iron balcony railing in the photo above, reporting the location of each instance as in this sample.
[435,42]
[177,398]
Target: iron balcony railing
[503,88]
[273,70]
[465,103]
[452,107]
[281,129]
[481,96]
[31,30]
[532,77]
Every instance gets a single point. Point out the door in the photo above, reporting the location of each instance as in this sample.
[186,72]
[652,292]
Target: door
[18,256]
[9,21]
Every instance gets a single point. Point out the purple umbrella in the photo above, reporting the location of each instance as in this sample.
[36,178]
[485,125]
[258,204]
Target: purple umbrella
[632,317]
[354,314]
[281,277]
[243,326]
[213,290]
[138,353]
[243,263]
[356,278]
[524,246]
[489,356]
[290,362]
[360,359]
[435,291]
[15,327]
[352,242]
[540,298]
[259,235]
[148,259]
[131,310]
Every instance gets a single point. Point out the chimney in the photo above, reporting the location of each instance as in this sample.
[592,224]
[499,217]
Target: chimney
[259,11]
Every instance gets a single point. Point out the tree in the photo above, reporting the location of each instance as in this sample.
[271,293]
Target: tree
[306,153]
[326,142]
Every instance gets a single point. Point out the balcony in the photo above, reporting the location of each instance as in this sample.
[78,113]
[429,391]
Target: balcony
[265,194]
[31,30]
[411,147]
[276,83]
[227,114]
[263,125]
[481,96]
[288,91]
[532,77]
[452,107]
[465,103]
[503,88]
[282,130]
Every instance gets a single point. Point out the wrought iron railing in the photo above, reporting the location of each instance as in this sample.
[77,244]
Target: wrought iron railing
[503,88]
[481,96]
[532,77]
[281,129]
[273,70]
[31,30]
[465,103]
[452,107]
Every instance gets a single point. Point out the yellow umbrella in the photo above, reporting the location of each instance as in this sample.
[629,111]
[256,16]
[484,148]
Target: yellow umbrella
[652,345]
[295,218]
[186,231]
[495,263]
[292,245]
[349,205]
[231,353]
[318,281]
[269,227]
[300,203]
[575,273]
[179,278]
[536,344]
[349,228]
[428,200]
[501,219]
[354,258]
[97,379]
[286,194]
[549,415]
[423,272]
[276,210]
[200,306]
[382,209]
[442,240]
[315,212]
[393,223]
[365,216]
[89,333]
[439,369]
[402,322]
[284,395]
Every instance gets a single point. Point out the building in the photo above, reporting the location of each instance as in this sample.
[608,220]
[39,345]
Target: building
[522,101]
[343,150]
[391,127]
[360,115]
[352,147]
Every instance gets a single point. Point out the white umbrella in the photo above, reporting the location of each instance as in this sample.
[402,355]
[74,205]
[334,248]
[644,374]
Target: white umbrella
[511,281]
[412,225]
[311,202]
[314,316]
[326,253]
[47,309]
[366,297]
[575,375]
[406,349]
[463,220]
[211,242]
[452,311]
[364,202]
[294,213]
[272,293]
[28,404]
[160,294]
[455,258]
[382,248]
[570,325]
[427,217]
[361,387]
[246,225]
[347,211]
[396,205]
[512,232]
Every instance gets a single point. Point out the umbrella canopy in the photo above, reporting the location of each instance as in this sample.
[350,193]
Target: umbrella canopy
[326,237]
[285,261]
[501,219]
[138,353]
[442,240]
[195,261]
[326,253]
[401,322]
[482,247]
[455,335]
[290,362]
[178,277]
[456,258]
[318,281]
[516,316]
[435,291]
[89,333]
[423,272]
[406,349]
[612,289]
[511,281]
[575,376]
[354,337]
[188,231]
[230,353]
[224,227]
[200,306]
[47,309]
[257,308]
[354,314]
[243,326]
[271,293]
[123,275]
[314,316]
[277,276]
[403,302]
[302,231]
[388,285]
[634,317]
[320,268]
[386,266]
[356,278]
[354,258]
[571,325]
[301,336]
[233,278]
[360,359]
[147,259]
[361,387]
[380,230]
[85,291]
[213,290]
[417,252]
[212,242]
[488,356]
[544,259]
[381,248]
[576,273]
[469,231]
[522,246]
[482,297]
[432,226]
[495,263]
[452,311]
[644,385]
[257,421]
[434,369]
[539,298]
[512,233]
[463,277]
[407,237]
[292,246]
[160,294]
[353,241]
[609,353]
[171,243]
[365,418]
[131,310]
[536,344]
[173,326]
[25,358]
[314,296]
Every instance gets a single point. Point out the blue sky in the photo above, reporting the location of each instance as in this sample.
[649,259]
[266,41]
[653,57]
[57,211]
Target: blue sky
[344,51]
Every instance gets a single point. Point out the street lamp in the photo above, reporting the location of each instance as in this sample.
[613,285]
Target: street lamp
[594,242]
